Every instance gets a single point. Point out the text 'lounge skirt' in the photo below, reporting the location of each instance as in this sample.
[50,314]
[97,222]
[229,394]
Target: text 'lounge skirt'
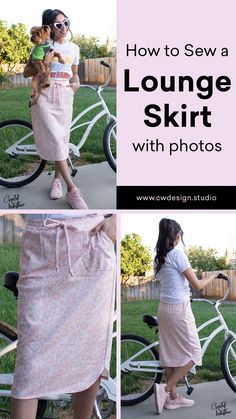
[65,312]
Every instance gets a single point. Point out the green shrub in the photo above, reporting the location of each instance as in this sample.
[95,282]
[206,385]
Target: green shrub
[4,78]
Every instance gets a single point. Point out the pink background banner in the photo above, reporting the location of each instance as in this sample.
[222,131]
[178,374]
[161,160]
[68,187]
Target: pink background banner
[203,154]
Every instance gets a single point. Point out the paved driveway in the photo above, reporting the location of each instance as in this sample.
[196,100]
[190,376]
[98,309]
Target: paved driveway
[206,396]
[96,181]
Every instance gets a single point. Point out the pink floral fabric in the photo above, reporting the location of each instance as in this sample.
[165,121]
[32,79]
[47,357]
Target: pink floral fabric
[179,341]
[51,120]
[65,312]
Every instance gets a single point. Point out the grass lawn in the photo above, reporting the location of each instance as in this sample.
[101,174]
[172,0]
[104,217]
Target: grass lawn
[9,258]
[14,105]
[131,323]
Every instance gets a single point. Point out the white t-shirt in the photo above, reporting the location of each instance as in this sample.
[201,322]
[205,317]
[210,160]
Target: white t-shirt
[174,287]
[70,53]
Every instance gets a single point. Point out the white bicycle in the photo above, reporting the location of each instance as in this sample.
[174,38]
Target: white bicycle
[19,161]
[50,406]
[140,367]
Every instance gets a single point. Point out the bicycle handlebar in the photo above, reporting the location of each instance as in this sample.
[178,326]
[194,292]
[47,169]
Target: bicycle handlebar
[109,75]
[223,276]
[229,283]
[105,64]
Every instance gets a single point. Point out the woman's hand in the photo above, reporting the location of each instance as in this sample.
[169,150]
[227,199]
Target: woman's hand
[74,86]
[108,226]
[74,81]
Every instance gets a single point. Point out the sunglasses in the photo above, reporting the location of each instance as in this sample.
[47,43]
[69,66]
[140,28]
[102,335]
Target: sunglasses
[59,25]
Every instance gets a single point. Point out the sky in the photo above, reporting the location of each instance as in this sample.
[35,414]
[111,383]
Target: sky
[88,17]
[207,229]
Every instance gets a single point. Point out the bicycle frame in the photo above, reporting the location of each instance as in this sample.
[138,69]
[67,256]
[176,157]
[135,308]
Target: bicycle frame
[90,124]
[215,332]
[154,366]
[29,149]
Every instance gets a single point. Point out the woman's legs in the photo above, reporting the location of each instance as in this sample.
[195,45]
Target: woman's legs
[84,401]
[169,371]
[73,195]
[61,169]
[24,409]
[82,404]
[174,376]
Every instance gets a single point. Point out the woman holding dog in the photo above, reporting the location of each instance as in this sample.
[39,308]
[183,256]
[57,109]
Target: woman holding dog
[52,114]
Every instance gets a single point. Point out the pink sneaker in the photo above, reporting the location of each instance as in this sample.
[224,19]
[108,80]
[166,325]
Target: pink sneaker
[178,402]
[160,397]
[56,189]
[75,199]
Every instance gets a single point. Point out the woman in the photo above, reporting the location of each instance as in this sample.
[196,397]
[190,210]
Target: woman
[180,348]
[65,311]
[52,114]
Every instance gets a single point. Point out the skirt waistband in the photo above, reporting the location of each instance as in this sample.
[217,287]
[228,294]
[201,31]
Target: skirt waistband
[80,223]
[174,308]
[66,224]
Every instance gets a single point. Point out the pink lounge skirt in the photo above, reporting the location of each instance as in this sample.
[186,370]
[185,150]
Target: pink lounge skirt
[51,120]
[65,307]
[179,341]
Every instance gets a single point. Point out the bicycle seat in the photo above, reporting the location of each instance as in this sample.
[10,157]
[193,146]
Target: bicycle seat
[10,281]
[150,320]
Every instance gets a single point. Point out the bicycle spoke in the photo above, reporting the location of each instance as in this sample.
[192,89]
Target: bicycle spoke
[136,378]
[7,363]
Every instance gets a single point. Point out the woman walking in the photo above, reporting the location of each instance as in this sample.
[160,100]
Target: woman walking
[65,311]
[180,348]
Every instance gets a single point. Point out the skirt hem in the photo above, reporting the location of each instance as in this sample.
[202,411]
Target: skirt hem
[59,392]
[196,363]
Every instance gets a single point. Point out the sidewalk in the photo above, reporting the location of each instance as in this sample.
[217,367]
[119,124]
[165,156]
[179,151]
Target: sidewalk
[206,395]
[97,183]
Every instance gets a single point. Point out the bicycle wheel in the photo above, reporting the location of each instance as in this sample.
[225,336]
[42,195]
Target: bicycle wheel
[228,362]
[109,143]
[105,405]
[19,162]
[138,372]
[7,366]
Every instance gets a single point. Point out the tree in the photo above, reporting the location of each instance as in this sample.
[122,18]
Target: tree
[204,260]
[15,44]
[4,40]
[135,257]
[90,48]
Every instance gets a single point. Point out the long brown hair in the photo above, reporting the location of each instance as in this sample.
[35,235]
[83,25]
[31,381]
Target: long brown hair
[168,230]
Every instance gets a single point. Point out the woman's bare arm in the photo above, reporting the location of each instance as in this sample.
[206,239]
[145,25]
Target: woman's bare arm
[194,281]
[74,81]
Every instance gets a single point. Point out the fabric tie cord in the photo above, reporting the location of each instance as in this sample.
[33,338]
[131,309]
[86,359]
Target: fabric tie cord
[58,225]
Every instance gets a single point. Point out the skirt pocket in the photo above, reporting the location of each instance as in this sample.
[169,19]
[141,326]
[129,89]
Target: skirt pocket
[99,252]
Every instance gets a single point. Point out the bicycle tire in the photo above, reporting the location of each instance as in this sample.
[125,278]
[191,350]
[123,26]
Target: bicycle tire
[105,405]
[225,362]
[109,144]
[17,169]
[8,334]
[129,398]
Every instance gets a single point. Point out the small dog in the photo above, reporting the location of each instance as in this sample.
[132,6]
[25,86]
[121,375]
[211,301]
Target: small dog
[38,65]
